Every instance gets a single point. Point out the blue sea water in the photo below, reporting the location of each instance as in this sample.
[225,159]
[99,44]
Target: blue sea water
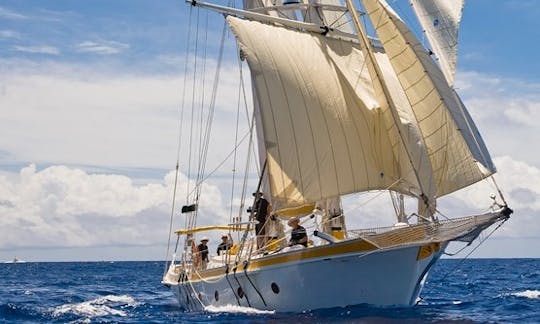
[475,290]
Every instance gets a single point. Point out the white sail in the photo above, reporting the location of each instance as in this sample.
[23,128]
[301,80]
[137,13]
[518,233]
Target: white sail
[254,4]
[440,20]
[323,132]
[457,153]
[336,19]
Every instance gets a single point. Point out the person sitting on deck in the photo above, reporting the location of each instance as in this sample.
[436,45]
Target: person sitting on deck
[225,244]
[298,233]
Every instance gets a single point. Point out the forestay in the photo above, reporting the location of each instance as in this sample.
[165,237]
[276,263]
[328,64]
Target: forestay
[456,151]
[440,20]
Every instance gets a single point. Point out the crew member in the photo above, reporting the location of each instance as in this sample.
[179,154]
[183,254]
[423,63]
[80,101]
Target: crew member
[262,209]
[298,233]
[203,252]
[225,244]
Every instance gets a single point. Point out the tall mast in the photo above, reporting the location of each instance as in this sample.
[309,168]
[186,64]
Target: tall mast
[426,205]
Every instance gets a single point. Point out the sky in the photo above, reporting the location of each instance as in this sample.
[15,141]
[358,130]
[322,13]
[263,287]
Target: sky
[90,94]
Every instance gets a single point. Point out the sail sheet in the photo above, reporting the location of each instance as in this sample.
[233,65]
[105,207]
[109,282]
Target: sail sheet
[323,133]
[440,20]
[457,153]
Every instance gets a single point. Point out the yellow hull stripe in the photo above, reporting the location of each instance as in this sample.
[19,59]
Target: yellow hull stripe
[300,255]
[427,250]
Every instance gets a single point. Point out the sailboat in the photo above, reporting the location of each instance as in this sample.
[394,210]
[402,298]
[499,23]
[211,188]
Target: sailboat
[338,112]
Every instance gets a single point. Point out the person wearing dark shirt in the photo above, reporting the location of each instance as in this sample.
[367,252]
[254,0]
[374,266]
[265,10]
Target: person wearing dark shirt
[298,233]
[203,252]
[262,208]
[225,245]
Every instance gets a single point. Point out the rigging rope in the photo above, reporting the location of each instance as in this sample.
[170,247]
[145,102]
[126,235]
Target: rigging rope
[211,173]
[192,108]
[481,241]
[211,109]
[374,197]
[180,123]
[235,150]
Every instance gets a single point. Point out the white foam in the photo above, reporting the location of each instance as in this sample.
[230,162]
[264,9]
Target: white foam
[457,302]
[236,309]
[100,306]
[532,294]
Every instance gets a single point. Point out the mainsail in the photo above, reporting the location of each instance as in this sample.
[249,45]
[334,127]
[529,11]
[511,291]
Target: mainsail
[323,133]
[325,130]
[440,20]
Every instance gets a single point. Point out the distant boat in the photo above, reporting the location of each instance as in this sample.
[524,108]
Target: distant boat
[16,260]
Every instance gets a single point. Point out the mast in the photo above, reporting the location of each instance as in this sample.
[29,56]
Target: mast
[426,206]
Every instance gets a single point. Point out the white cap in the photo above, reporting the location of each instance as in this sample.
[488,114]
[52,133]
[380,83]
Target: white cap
[205,238]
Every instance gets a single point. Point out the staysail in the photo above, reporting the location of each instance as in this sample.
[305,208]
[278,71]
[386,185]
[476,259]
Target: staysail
[323,133]
[440,20]
[457,153]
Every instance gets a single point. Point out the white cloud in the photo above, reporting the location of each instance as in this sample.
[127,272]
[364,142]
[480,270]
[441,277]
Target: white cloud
[506,111]
[9,14]
[66,115]
[10,34]
[519,182]
[102,47]
[524,112]
[61,206]
[45,49]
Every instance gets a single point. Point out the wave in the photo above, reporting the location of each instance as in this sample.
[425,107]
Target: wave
[100,306]
[532,294]
[236,309]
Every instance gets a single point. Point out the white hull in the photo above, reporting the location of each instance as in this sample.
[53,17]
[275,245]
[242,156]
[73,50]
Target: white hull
[382,277]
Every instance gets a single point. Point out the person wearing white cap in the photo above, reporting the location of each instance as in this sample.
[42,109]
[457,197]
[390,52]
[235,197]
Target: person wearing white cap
[298,233]
[203,251]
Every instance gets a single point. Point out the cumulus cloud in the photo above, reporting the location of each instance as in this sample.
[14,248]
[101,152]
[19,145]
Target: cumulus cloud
[106,119]
[519,181]
[45,49]
[102,47]
[62,206]
[506,111]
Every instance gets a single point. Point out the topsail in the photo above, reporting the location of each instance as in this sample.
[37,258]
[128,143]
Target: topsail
[440,20]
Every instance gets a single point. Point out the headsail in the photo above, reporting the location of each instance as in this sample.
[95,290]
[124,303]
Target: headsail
[323,132]
[457,153]
[440,20]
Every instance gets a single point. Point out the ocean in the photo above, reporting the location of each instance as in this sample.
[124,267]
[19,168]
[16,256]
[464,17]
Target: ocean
[457,291]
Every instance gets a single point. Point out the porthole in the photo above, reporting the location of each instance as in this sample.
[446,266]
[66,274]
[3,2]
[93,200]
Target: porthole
[240,292]
[275,288]
[216,295]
